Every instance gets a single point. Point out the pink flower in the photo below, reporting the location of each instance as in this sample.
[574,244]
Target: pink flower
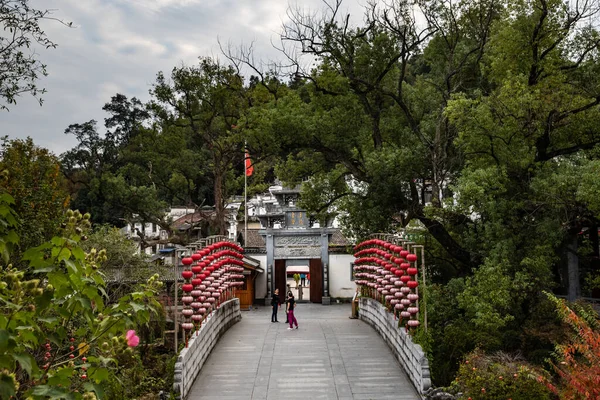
[132,339]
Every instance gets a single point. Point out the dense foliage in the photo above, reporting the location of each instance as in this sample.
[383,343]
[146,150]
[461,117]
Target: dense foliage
[180,149]
[33,179]
[59,338]
[501,376]
[478,128]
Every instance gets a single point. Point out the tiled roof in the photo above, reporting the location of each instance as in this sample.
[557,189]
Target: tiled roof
[254,239]
[193,218]
[338,239]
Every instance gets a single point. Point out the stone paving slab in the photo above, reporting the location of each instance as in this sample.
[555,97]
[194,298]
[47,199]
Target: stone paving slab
[329,357]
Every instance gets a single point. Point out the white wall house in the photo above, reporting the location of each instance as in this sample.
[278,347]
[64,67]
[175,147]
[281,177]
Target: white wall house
[340,274]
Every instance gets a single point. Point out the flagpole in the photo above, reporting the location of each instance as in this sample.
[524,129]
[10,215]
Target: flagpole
[245,195]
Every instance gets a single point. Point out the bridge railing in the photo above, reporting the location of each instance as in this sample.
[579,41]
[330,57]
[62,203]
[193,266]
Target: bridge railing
[192,358]
[387,269]
[410,355]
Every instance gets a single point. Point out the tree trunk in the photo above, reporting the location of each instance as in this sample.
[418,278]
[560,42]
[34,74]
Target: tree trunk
[439,232]
[574,289]
[219,204]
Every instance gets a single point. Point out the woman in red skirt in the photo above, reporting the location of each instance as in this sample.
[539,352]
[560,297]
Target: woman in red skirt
[291,305]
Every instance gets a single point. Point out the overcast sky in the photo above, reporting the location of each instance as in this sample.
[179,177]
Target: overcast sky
[118,46]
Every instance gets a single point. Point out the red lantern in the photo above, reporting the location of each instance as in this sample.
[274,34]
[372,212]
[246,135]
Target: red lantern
[405,278]
[187,260]
[196,281]
[411,271]
[196,256]
[196,269]
[187,287]
[187,274]
[412,284]
[412,296]
[188,326]
[411,257]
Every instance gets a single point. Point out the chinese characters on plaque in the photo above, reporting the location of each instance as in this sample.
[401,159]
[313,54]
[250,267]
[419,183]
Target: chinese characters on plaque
[296,219]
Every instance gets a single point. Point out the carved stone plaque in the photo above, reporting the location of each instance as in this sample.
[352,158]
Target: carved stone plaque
[297,246]
[284,241]
[297,252]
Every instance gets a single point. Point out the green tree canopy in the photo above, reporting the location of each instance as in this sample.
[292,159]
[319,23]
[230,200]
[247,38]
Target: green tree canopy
[40,191]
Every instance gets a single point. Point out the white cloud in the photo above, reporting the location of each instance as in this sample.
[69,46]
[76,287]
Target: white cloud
[120,45]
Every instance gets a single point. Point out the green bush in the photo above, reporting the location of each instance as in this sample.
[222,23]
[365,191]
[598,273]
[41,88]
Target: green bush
[59,337]
[139,378]
[500,376]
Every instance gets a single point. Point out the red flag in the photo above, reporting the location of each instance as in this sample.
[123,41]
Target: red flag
[249,166]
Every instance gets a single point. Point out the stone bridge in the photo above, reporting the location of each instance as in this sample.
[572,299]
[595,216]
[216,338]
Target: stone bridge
[329,357]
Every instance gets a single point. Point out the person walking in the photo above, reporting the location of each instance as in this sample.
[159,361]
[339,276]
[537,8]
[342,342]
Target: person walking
[291,304]
[275,303]
[287,315]
[302,279]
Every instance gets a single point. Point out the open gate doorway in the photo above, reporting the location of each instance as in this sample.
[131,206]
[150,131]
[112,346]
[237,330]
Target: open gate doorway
[312,287]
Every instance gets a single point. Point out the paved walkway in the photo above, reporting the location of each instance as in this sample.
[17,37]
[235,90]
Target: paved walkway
[329,357]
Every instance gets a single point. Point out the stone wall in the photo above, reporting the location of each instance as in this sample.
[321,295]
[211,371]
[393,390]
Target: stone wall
[191,359]
[410,355]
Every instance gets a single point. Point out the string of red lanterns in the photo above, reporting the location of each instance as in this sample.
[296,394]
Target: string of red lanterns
[215,272]
[387,273]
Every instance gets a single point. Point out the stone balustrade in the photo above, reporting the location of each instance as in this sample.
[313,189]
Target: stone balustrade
[191,359]
[410,355]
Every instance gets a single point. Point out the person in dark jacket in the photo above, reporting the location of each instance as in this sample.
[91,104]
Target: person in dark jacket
[275,303]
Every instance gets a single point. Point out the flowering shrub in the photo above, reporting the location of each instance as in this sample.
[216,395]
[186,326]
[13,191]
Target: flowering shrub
[58,338]
[500,376]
